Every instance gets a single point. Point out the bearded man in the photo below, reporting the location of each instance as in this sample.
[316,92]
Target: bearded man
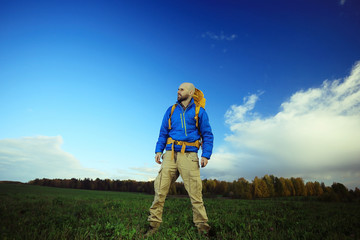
[184,128]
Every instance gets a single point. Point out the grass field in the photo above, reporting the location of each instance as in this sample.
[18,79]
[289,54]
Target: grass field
[35,212]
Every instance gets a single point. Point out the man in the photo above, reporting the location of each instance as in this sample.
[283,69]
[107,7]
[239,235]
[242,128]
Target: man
[180,134]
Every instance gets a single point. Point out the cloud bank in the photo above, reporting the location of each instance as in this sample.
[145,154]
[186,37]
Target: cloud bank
[315,135]
[28,158]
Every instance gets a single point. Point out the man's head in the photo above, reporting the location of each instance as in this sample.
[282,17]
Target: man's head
[185,91]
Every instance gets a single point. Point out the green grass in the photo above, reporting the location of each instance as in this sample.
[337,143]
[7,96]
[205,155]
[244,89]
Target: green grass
[35,212]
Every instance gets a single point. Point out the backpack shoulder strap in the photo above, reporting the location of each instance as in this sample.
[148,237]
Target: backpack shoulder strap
[172,111]
[200,101]
[197,110]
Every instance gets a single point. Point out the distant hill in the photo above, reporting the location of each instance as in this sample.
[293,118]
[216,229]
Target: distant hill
[12,182]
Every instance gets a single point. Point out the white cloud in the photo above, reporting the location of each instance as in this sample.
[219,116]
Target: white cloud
[219,37]
[28,158]
[237,113]
[342,2]
[315,135]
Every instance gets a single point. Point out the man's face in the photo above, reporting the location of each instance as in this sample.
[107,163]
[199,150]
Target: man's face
[183,93]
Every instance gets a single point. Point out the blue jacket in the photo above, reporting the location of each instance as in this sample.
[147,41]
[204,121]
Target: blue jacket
[183,128]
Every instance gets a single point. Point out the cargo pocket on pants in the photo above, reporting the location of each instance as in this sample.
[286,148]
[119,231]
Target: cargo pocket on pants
[157,183]
[195,183]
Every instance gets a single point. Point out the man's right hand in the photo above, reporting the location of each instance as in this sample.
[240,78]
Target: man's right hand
[158,157]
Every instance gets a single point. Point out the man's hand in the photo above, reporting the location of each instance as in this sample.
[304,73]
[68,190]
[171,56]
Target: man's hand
[158,157]
[204,161]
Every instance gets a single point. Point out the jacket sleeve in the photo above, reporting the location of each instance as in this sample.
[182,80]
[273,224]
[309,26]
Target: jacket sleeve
[206,133]
[164,133]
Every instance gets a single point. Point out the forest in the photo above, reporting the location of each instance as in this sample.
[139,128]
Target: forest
[265,187]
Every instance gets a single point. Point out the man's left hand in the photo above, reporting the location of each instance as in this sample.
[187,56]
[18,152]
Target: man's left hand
[204,161]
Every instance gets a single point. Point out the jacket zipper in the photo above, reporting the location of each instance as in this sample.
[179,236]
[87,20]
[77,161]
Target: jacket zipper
[182,125]
[185,124]
[183,115]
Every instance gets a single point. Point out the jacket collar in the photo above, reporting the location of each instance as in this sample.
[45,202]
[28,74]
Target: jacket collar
[190,103]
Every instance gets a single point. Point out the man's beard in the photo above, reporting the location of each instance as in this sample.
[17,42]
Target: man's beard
[182,98]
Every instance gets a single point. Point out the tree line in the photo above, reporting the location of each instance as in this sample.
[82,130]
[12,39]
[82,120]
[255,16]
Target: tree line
[265,187]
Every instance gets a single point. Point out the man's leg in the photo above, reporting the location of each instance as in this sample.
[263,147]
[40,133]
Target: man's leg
[167,175]
[188,165]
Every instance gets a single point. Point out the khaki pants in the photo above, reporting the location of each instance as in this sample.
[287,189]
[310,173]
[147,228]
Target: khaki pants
[187,165]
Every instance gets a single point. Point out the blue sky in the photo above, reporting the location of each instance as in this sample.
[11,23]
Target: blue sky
[84,86]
